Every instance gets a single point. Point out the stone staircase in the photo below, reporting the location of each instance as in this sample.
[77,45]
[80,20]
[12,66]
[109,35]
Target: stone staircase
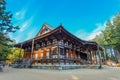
[25,63]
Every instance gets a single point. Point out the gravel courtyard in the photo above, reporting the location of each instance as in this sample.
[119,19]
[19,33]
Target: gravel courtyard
[81,74]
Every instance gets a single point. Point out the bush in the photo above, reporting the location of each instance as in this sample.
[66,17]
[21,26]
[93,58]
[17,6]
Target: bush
[118,65]
[104,63]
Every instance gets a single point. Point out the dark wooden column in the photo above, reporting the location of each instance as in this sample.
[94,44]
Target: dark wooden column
[32,48]
[65,53]
[87,55]
[51,55]
[58,52]
[90,57]
[100,63]
[96,57]
[69,55]
[72,56]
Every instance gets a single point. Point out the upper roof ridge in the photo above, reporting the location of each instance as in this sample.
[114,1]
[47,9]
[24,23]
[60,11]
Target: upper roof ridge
[44,26]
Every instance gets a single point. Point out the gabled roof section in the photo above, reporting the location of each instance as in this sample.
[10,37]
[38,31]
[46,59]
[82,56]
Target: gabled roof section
[61,30]
[44,29]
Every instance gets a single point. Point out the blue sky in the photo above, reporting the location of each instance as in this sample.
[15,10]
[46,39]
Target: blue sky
[83,18]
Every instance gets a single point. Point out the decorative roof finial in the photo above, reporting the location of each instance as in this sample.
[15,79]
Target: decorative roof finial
[60,24]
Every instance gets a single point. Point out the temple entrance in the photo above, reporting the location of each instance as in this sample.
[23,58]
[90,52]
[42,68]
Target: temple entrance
[83,56]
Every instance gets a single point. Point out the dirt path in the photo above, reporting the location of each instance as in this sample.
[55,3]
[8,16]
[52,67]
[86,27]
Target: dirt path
[81,74]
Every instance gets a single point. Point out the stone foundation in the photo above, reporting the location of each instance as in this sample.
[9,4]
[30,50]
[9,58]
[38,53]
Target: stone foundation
[64,67]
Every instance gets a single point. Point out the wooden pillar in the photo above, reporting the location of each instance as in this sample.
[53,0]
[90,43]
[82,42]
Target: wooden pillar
[58,52]
[91,57]
[96,57]
[20,50]
[87,55]
[100,64]
[32,48]
[72,56]
[69,55]
[92,53]
[69,52]
[65,53]
[51,55]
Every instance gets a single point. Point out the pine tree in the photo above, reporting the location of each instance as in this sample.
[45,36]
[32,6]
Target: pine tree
[6,27]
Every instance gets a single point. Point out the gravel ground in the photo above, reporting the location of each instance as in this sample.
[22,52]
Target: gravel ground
[79,74]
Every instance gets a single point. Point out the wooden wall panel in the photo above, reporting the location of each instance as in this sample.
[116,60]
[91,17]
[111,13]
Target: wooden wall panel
[69,52]
[75,56]
[27,54]
[44,53]
[39,53]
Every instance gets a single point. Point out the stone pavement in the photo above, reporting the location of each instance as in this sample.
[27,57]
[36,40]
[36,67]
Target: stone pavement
[79,74]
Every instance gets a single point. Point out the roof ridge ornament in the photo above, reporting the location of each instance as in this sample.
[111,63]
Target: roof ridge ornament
[60,26]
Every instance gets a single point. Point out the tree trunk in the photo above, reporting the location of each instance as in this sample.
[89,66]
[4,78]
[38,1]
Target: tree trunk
[111,53]
[115,53]
[105,54]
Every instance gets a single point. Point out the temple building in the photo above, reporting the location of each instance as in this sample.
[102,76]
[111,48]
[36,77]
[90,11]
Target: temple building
[59,46]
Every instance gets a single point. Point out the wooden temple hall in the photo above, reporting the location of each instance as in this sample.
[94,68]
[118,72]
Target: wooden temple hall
[59,46]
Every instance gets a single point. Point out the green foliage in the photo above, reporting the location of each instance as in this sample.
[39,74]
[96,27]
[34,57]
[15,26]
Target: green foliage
[111,35]
[6,27]
[99,39]
[16,53]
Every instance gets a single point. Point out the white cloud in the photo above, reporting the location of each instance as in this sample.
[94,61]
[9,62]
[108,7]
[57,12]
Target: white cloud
[21,34]
[111,19]
[82,34]
[96,31]
[31,34]
[99,28]
[20,14]
[18,38]
[24,36]
[88,36]
[26,24]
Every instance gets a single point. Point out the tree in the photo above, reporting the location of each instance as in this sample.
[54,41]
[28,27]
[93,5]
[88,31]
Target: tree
[111,35]
[16,54]
[116,34]
[6,27]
